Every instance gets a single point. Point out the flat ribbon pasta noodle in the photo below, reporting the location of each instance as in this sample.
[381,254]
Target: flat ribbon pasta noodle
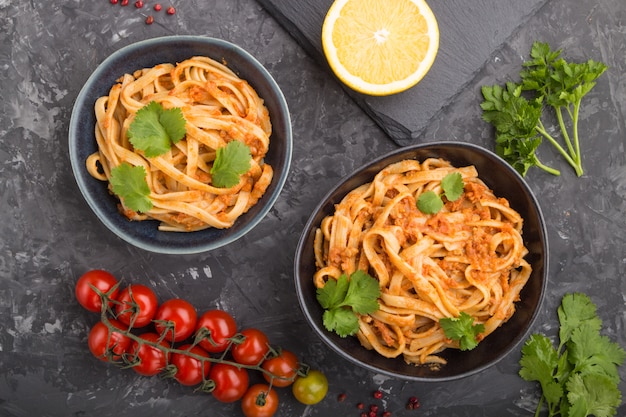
[468,257]
[218,107]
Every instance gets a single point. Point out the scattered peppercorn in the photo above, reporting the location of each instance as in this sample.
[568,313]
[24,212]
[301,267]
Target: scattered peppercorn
[413,404]
[149,20]
[124,3]
[360,406]
[171,10]
[373,408]
[341,397]
[364,415]
[139,4]
[113,1]
[378,394]
[386,413]
[157,7]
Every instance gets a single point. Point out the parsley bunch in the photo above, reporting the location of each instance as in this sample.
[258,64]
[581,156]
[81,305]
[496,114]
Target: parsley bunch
[344,298]
[552,84]
[578,378]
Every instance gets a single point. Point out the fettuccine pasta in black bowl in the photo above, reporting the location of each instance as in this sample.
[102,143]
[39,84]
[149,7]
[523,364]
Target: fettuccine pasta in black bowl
[180,144]
[428,264]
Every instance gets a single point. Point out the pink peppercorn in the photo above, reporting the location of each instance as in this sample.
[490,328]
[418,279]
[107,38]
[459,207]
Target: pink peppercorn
[149,20]
[139,4]
[157,7]
[171,10]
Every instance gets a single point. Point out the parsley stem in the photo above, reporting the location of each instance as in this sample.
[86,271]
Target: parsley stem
[541,129]
[546,168]
[579,167]
[568,142]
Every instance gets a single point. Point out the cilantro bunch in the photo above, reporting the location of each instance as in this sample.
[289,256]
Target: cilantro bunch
[344,298]
[579,377]
[518,110]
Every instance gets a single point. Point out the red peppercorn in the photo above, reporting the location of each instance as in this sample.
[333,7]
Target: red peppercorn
[386,413]
[372,414]
[149,20]
[341,397]
[157,7]
[171,10]
[139,4]
[364,415]
[378,394]
[113,1]
[360,406]
[124,3]
[373,408]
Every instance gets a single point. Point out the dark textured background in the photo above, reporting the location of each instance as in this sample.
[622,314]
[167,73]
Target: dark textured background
[49,236]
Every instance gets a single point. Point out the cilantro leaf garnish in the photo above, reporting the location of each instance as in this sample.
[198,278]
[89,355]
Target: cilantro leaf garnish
[129,184]
[344,298]
[580,377]
[154,129]
[230,163]
[554,86]
[429,202]
[462,329]
[452,185]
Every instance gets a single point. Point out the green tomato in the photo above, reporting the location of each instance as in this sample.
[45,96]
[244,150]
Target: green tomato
[310,389]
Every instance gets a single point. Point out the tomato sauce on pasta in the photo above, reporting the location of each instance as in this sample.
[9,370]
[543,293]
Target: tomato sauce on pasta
[218,107]
[468,257]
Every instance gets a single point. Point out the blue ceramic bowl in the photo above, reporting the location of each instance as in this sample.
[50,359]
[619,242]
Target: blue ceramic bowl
[505,182]
[174,49]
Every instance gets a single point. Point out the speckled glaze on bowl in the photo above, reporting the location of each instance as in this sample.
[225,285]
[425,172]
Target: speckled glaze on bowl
[505,182]
[174,49]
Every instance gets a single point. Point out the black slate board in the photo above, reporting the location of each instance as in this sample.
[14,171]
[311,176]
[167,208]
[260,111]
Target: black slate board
[470,31]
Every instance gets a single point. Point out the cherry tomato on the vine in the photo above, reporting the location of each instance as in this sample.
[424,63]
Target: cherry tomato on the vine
[253,348]
[310,389]
[259,401]
[222,327]
[180,314]
[106,344]
[149,360]
[137,305]
[284,369]
[190,370]
[102,280]
[231,383]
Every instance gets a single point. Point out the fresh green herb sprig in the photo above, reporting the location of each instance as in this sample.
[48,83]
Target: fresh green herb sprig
[552,83]
[129,183]
[230,163]
[462,329]
[430,202]
[154,129]
[579,377]
[344,298]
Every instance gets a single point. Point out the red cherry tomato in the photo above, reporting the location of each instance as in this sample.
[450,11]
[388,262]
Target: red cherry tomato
[105,344]
[102,280]
[222,327]
[284,369]
[231,383]
[259,401]
[138,305]
[190,370]
[180,314]
[150,360]
[253,348]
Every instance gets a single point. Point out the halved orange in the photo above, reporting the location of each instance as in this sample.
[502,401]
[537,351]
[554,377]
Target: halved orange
[380,47]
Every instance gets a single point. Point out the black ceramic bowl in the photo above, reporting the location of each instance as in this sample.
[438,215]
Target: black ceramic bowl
[505,182]
[175,49]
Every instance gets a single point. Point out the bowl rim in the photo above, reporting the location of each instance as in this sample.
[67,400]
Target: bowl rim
[325,335]
[77,165]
